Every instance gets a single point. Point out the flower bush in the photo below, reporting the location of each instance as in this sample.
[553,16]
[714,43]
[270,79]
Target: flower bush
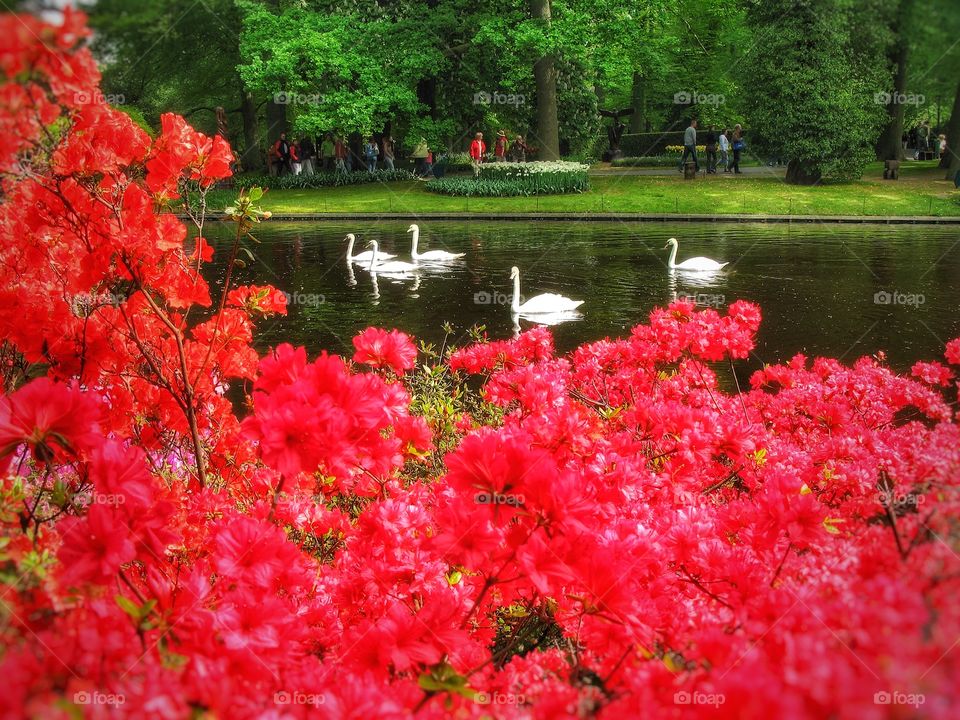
[513,179]
[679,148]
[491,532]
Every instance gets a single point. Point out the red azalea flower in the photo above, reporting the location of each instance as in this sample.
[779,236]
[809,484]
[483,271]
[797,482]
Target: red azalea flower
[51,418]
[380,348]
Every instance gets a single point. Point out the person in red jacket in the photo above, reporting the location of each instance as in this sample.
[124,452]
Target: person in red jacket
[280,154]
[477,150]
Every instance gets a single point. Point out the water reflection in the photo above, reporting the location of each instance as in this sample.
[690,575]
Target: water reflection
[818,286]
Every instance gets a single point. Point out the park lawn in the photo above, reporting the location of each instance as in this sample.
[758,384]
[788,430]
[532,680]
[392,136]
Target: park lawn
[920,191]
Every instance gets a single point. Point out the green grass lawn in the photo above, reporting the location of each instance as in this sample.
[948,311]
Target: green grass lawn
[921,190]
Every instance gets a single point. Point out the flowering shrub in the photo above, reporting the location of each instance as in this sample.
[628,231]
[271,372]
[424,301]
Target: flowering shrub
[493,532]
[679,148]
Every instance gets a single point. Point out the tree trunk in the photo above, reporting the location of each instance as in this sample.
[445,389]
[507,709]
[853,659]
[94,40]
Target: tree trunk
[801,172]
[250,158]
[953,138]
[545,74]
[889,146]
[638,101]
[276,113]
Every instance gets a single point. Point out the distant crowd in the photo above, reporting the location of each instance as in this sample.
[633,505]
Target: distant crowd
[722,150]
[336,153]
[927,143]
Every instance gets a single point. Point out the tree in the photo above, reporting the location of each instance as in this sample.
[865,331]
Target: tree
[545,74]
[350,68]
[889,146]
[805,100]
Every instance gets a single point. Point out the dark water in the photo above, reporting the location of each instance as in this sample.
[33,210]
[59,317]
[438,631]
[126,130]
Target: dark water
[817,285]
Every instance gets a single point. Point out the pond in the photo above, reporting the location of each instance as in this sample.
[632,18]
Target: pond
[837,290]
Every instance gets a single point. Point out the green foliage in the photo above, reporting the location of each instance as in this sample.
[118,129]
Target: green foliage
[648,161]
[349,68]
[326,179]
[806,98]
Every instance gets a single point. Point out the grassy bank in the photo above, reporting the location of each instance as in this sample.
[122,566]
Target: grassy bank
[921,190]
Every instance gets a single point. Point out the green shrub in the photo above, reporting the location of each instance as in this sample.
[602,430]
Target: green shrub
[457,161]
[322,179]
[649,161]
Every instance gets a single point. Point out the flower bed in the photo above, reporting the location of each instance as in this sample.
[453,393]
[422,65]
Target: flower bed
[512,179]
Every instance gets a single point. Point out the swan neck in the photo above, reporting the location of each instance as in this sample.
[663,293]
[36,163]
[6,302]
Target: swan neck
[416,239]
[673,255]
[349,248]
[515,305]
[373,256]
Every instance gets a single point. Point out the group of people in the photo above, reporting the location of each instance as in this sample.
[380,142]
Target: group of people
[335,153]
[718,148]
[503,150]
[925,140]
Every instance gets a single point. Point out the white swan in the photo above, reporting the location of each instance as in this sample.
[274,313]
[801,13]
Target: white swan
[387,268]
[429,255]
[365,256]
[548,303]
[697,264]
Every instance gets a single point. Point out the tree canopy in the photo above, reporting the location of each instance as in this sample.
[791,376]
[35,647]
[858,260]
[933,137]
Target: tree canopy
[804,78]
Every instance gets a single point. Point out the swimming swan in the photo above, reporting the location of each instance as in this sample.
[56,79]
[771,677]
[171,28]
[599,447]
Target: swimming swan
[541,304]
[365,256]
[429,255]
[697,264]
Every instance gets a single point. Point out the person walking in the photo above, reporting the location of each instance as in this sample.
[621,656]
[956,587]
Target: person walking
[307,154]
[371,151]
[738,146]
[328,152]
[281,155]
[690,146]
[500,147]
[388,152]
[518,150]
[296,167]
[340,154]
[923,134]
[711,148]
[725,150]
[419,154]
[478,149]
